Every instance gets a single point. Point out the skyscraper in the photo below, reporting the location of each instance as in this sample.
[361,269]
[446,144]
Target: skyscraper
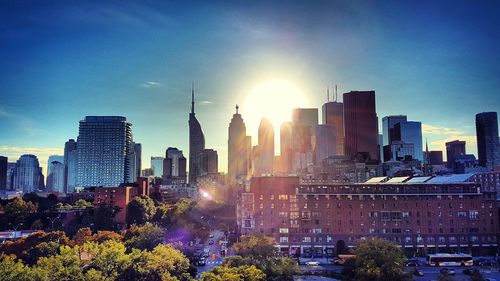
[55,179]
[157,166]
[286,155]
[454,149]
[3,172]
[52,158]
[210,162]
[238,148]
[70,163]
[388,123]
[305,116]
[196,144]
[361,125]
[11,167]
[174,167]
[487,139]
[333,114]
[104,151]
[265,148]
[27,175]
[410,132]
[135,162]
[323,142]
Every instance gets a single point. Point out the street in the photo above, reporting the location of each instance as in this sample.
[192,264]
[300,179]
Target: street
[214,258]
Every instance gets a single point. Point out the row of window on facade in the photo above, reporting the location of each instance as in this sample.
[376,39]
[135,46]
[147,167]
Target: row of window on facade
[397,239]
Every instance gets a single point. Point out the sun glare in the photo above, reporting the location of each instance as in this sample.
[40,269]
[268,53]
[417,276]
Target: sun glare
[274,100]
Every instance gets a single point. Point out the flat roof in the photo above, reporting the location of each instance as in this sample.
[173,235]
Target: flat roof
[418,179]
[454,178]
[376,180]
[398,180]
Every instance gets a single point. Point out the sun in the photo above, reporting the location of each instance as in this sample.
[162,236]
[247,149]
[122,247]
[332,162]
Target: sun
[272,99]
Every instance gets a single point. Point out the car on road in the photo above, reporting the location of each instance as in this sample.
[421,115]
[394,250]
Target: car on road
[312,263]
[418,272]
[211,242]
[447,271]
[490,279]
[202,262]
[211,235]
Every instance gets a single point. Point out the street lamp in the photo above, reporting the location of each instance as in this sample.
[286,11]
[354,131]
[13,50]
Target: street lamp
[52,220]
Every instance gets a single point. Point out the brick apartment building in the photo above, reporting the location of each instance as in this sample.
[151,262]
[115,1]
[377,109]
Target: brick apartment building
[422,214]
[121,196]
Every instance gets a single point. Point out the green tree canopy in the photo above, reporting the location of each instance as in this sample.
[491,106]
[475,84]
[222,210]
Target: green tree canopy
[380,260]
[257,247]
[140,210]
[240,273]
[144,237]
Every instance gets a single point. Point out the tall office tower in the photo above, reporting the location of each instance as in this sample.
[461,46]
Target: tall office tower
[454,149]
[333,114]
[305,116]
[265,148]
[388,123]
[410,132]
[157,166]
[55,178]
[70,164]
[238,150]
[137,161]
[487,139]
[323,142]
[3,172]
[104,151]
[27,174]
[11,167]
[52,158]
[361,125]
[196,144]
[209,162]
[286,155]
[174,167]
[434,157]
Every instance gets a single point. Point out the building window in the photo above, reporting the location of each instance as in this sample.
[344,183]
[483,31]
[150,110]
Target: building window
[283,230]
[307,239]
[283,239]
[474,215]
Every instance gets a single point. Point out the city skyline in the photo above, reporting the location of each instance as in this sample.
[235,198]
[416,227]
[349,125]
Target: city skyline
[49,85]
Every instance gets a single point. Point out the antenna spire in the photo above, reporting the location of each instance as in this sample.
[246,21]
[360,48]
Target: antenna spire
[328,93]
[192,97]
[336,100]
[237,107]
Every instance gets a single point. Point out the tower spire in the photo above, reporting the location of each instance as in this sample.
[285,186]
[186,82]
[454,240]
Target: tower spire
[328,93]
[192,97]
[237,107]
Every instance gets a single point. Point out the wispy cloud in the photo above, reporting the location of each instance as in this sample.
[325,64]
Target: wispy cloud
[150,84]
[205,102]
[429,129]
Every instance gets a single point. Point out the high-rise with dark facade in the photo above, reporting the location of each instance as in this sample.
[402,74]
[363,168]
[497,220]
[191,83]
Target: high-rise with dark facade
[388,123]
[196,144]
[360,123]
[333,114]
[70,163]
[238,148]
[454,149]
[135,162]
[104,151]
[265,148]
[410,132]
[55,179]
[487,139]
[209,162]
[3,172]
[174,167]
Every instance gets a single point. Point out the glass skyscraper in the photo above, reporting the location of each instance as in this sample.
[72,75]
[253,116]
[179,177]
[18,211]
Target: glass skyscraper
[104,151]
[487,139]
[27,176]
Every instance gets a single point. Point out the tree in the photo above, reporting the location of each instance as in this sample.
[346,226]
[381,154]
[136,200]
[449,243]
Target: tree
[82,236]
[476,275]
[81,203]
[240,273]
[445,277]
[379,260]
[140,210]
[104,217]
[275,268]
[144,237]
[257,247]
[17,211]
[12,269]
[64,266]
[104,235]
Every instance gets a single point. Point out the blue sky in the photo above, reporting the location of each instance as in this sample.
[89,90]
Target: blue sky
[435,61]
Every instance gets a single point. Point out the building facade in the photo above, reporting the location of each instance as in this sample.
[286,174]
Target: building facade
[27,174]
[264,164]
[196,144]
[157,166]
[422,215]
[488,146]
[70,163]
[333,114]
[174,167]
[323,142]
[55,179]
[104,151]
[361,125]
[238,148]
[3,172]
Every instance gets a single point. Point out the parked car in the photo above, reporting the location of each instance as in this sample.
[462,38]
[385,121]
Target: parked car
[211,235]
[202,262]
[211,242]
[468,271]
[418,272]
[312,263]
[337,261]
[447,271]
[490,279]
